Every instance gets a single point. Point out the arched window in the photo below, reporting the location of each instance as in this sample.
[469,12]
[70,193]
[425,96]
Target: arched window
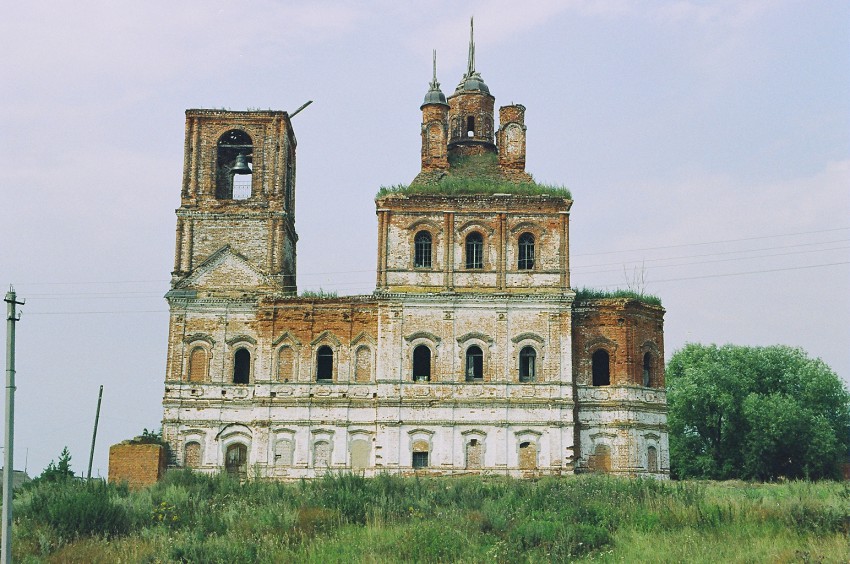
[422,250]
[234,157]
[474,364]
[526,252]
[324,363]
[601,369]
[198,365]
[241,366]
[236,460]
[474,250]
[527,358]
[192,454]
[647,369]
[470,126]
[422,363]
[651,459]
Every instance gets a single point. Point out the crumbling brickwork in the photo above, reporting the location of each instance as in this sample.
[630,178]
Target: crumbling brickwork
[138,465]
[471,355]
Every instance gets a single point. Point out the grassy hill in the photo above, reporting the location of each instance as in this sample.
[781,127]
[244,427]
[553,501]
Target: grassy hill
[193,518]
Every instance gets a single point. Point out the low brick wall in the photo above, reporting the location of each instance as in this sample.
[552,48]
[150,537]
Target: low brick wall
[139,465]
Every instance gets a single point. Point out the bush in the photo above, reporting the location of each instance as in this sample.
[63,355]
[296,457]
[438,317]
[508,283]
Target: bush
[74,509]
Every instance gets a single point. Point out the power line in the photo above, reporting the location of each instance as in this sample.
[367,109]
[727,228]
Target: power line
[712,242]
[739,273]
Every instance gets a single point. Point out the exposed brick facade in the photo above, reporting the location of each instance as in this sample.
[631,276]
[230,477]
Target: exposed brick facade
[139,465]
[470,356]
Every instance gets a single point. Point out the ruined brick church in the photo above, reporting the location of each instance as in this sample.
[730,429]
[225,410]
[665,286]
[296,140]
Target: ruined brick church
[473,354]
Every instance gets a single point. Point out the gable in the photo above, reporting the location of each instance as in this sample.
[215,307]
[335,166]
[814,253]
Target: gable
[225,270]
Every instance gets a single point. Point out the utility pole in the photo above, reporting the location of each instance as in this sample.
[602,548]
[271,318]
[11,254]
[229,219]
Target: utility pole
[94,434]
[8,459]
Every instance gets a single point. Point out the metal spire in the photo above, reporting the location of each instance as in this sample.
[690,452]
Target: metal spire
[434,94]
[470,65]
[434,84]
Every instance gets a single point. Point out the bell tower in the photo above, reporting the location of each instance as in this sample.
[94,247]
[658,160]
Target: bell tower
[471,111]
[238,199]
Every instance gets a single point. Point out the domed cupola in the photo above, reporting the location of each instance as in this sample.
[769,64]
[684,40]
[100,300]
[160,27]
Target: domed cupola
[435,127]
[471,81]
[471,112]
[434,94]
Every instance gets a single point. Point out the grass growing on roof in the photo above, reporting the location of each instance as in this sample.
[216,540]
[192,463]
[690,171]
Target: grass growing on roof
[476,174]
[320,293]
[585,294]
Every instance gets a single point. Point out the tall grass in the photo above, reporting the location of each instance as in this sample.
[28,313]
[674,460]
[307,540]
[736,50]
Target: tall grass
[195,518]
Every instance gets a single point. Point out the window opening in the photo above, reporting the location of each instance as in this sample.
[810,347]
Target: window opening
[526,252]
[422,363]
[241,366]
[234,157]
[647,369]
[420,460]
[601,368]
[474,364]
[527,357]
[422,250]
[651,459]
[474,250]
[470,126]
[236,460]
[324,363]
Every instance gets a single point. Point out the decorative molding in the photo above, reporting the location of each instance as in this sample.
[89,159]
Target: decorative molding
[363,337]
[528,337]
[432,225]
[600,342]
[241,339]
[475,335]
[423,335]
[475,225]
[326,335]
[195,337]
[287,335]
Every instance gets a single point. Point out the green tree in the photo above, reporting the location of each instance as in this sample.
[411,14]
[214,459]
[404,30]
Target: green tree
[755,413]
[57,472]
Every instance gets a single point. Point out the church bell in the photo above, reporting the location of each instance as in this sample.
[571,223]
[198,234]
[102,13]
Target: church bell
[241,166]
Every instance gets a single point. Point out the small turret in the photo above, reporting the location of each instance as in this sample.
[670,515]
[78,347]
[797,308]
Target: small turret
[471,111]
[435,125]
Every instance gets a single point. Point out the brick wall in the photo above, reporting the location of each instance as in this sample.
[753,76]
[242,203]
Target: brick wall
[139,465]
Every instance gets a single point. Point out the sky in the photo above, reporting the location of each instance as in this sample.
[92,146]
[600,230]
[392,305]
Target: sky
[706,145]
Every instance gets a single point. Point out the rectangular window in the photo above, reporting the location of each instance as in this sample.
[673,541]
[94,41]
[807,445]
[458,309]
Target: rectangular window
[420,459]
